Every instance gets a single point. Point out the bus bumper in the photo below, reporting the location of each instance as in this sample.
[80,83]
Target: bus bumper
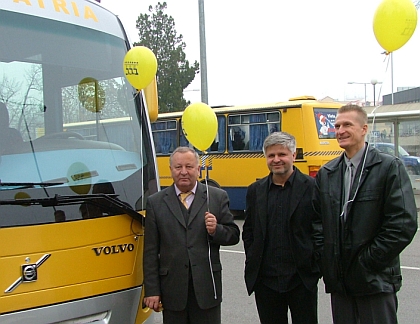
[114,308]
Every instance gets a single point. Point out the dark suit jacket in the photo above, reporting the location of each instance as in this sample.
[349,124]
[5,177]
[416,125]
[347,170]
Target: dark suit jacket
[172,247]
[300,216]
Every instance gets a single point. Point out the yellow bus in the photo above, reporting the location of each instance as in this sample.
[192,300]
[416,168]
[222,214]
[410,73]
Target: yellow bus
[71,204]
[235,159]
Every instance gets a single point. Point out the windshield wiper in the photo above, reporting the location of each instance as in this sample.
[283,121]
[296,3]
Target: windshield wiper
[108,202]
[26,185]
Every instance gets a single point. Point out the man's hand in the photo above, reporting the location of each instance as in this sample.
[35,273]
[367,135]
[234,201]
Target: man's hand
[154,303]
[211,222]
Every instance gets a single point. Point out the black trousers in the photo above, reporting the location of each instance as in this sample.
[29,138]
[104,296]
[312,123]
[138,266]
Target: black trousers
[371,309]
[273,306]
[193,314]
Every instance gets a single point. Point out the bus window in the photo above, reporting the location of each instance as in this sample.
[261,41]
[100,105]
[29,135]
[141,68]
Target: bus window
[237,138]
[248,131]
[273,120]
[219,143]
[165,136]
[258,131]
[237,132]
[182,139]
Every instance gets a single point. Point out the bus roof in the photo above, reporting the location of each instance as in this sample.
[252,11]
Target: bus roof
[292,103]
[82,13]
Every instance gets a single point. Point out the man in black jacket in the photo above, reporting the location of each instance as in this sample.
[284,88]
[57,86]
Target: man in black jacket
[366,216]
[277,234]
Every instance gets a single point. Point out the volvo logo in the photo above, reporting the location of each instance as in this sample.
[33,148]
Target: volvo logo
[113,249]
[29,273]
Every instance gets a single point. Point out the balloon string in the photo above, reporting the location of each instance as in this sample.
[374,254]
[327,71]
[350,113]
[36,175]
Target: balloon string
[208,195]
[136,94]
[203,164]
[388,59]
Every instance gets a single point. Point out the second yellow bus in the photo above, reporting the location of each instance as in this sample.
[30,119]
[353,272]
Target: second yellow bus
[235,159]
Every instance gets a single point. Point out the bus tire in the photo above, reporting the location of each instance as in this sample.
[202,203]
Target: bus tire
[211,183]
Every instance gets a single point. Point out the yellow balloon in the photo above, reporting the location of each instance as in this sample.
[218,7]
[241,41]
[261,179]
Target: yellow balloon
[91,94]
[199,124]
[140,66]
[394,23]
[151,96]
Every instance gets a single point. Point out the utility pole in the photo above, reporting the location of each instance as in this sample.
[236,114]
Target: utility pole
[203,58]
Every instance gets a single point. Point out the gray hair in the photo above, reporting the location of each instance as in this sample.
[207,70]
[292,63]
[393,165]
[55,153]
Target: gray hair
[280,138]
[184,149]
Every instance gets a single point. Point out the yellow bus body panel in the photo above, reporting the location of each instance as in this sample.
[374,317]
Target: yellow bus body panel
[88,258]
[300,123]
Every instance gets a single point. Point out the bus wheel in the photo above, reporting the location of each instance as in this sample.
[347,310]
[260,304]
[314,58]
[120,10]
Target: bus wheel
[211,183]
[238,214]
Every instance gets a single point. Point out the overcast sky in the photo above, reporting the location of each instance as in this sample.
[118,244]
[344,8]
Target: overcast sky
[270,50]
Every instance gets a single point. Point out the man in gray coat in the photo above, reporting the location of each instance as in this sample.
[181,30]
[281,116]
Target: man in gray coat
[366,217]
[185,226]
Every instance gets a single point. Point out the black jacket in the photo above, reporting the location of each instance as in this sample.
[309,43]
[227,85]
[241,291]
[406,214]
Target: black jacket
[300,219]
[361,255]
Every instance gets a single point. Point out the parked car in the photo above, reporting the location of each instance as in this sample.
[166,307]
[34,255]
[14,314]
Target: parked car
[412,163]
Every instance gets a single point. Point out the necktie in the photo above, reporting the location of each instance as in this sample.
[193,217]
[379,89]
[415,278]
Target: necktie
[348,179]
[184,196]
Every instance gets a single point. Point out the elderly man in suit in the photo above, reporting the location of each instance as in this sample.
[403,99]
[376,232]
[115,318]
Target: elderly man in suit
[277,236]
[185,227]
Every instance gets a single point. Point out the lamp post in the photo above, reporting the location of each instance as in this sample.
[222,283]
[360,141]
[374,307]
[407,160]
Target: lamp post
[365,83]
[374,83]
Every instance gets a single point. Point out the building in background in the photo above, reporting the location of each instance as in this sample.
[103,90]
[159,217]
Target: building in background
[403,95]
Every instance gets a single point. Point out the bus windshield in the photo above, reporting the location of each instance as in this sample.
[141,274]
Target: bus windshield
[56,78]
